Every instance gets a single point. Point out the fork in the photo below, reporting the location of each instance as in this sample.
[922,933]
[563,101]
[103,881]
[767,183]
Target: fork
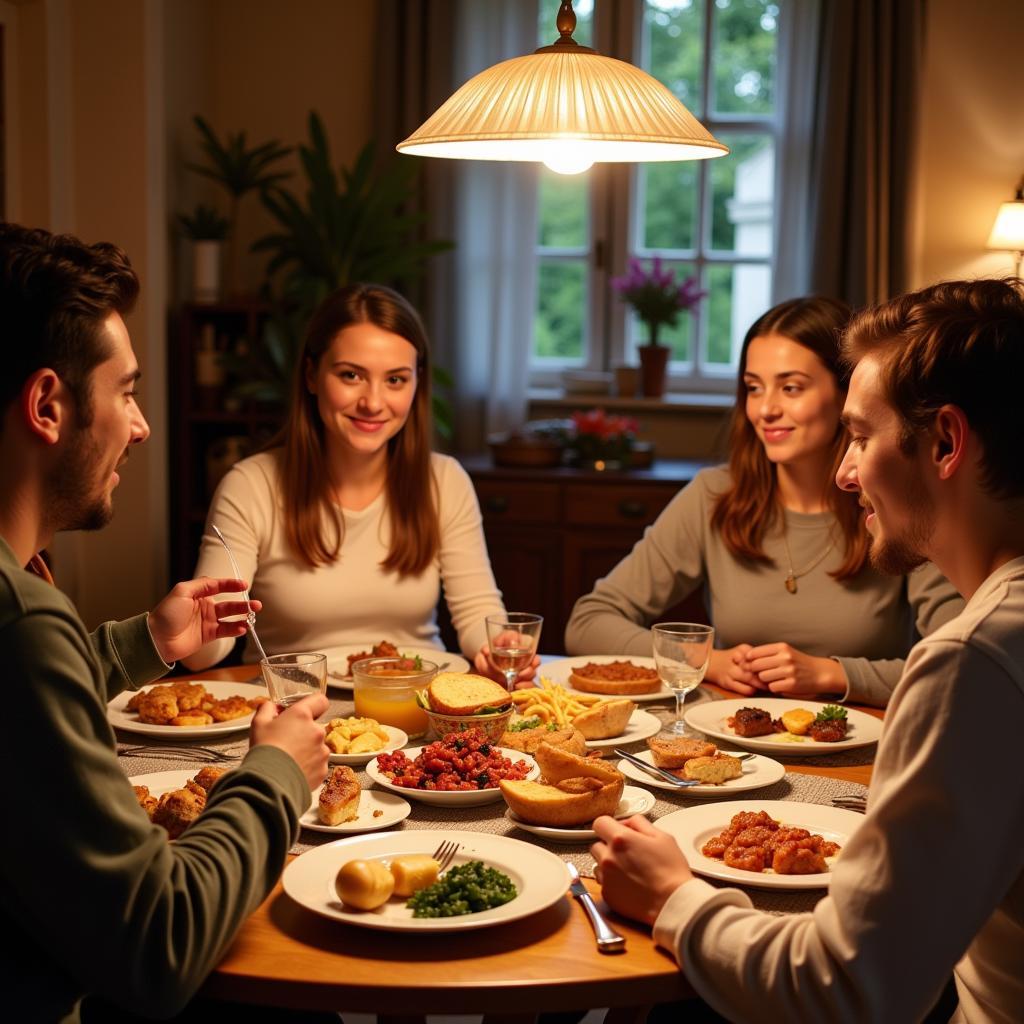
[851,802]
[184,753]
[445,854]
[250,619]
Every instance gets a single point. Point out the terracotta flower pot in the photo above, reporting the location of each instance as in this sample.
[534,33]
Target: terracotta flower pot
[653,361]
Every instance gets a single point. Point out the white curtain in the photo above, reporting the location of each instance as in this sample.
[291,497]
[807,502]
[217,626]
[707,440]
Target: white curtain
[495,215]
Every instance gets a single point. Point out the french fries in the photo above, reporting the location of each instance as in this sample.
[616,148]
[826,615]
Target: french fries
[552,703]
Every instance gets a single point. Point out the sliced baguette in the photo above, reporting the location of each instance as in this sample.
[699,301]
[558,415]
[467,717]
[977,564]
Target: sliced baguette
[459,693]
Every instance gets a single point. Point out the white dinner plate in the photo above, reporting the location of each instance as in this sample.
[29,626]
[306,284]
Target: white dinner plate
[129,721]
[539,876]
[337,661]
[559,672]
[396,739]
[376,811]
[692,827]
[641,724]
[758,771]
[711,718]
[634,801]
[450,798]
[163,782]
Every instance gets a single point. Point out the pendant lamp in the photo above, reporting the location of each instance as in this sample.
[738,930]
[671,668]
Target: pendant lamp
[566,106]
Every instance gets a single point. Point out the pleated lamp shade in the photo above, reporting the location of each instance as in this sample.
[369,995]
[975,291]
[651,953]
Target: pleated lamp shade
[565,106]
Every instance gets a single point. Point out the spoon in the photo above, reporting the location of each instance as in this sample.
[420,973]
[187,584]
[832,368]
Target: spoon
[251,617]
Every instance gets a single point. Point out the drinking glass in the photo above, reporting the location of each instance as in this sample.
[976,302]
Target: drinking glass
[513,639]
[290,677]
[681,652]
[385,689]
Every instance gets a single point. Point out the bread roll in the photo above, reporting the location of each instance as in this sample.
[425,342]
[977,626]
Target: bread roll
[556,765]
[364,884]
[605,719]
[558,806]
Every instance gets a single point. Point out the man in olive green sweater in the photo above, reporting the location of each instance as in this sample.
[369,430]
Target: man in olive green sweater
[93,897]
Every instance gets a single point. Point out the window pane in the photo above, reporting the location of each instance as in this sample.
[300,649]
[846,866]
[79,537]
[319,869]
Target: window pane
[668,204]
[559,325]
[673,38]
[547,32]
[563,203]
[743,196]
[744,41]
[739,294]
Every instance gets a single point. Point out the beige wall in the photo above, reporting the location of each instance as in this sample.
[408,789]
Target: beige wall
[972,134]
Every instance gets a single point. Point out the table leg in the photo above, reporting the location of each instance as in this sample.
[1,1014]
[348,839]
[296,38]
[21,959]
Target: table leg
[627,1015]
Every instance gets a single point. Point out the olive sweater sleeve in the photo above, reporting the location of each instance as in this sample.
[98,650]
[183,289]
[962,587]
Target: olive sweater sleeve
[150,918]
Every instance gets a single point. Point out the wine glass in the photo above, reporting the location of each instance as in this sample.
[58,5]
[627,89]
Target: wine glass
[681,652]
[512,639]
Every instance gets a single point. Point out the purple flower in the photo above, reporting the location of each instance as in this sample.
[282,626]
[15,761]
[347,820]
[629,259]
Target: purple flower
[655,294]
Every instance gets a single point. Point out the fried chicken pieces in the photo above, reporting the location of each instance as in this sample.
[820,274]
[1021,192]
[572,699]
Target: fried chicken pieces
[176,810]
[188,704]
[754,841]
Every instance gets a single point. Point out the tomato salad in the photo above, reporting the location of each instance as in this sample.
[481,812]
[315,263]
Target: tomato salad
[459,761]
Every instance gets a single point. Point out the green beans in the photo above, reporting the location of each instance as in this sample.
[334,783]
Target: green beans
[465,889]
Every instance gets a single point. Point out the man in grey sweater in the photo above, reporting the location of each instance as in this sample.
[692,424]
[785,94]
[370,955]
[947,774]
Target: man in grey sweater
[93,897]
[933,879]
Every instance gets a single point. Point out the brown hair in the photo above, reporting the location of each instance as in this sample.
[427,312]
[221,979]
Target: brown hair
[747,510]
[410,489]
[56,292]
[957,343]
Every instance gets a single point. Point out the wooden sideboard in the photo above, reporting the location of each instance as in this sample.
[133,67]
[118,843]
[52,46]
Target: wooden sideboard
[551,533]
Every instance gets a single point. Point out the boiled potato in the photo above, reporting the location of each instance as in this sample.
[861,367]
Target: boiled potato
[364,884]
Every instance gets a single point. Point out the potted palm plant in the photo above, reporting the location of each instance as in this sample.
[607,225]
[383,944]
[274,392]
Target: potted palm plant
[658,298]
[238,169]
[206,229]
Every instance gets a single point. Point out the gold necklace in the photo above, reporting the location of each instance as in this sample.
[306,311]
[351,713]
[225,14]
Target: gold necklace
[792,576]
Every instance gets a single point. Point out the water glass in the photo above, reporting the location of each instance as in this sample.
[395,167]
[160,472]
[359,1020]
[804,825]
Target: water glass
[290,677]
[512,639]
[682,651]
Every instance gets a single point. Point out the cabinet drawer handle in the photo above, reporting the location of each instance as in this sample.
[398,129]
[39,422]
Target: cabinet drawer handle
[496,503]
[632,509]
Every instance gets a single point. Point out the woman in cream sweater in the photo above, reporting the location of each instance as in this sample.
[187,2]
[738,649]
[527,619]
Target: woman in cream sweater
[349,526]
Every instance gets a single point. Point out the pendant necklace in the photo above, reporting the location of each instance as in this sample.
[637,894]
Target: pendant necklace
[793,575]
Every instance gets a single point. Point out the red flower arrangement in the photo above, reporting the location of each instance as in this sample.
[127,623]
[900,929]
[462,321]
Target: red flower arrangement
[600,437]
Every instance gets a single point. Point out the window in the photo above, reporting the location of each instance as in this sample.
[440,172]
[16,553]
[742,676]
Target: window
[708,218]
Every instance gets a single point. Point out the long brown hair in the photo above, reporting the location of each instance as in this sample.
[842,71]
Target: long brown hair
[749,508]
[410,489]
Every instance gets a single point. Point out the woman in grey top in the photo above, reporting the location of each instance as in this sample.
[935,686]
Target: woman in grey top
[780,551]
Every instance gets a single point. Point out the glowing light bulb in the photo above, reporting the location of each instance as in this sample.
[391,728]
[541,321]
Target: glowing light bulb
[567,158]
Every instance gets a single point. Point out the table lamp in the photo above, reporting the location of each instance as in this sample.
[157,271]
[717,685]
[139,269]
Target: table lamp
[1008,230]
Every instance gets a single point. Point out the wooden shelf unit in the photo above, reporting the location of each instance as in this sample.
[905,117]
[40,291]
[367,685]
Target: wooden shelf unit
[201,418]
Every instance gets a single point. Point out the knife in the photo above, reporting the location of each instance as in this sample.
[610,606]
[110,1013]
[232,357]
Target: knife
[608,939]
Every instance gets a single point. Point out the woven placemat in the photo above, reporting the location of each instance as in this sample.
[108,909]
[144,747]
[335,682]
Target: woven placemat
[491,818]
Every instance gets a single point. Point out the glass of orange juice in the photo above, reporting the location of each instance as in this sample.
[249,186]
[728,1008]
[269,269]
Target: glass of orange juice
[385,689]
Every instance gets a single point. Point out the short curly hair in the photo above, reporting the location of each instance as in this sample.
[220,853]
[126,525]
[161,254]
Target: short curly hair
[55,294]
[956,343]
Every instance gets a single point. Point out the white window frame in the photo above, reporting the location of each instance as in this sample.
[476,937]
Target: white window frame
[614,226]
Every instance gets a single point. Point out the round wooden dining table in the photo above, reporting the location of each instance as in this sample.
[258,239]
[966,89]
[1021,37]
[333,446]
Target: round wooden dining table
[287,956]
